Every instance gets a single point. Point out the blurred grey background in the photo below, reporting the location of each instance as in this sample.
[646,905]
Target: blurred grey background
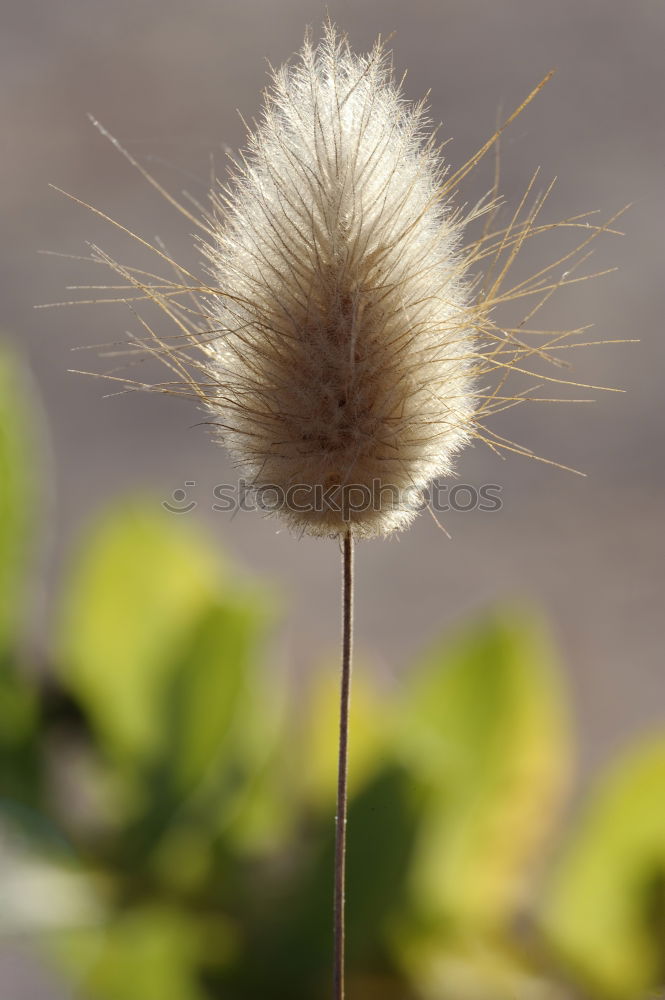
[166,78]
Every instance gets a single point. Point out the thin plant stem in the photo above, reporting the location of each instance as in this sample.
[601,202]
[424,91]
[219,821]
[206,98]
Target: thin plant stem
[343,765]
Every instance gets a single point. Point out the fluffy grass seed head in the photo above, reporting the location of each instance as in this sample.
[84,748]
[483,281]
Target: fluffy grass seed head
[342,343]
[344,360]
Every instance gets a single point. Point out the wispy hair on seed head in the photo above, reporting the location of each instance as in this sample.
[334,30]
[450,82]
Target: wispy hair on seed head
[344,333]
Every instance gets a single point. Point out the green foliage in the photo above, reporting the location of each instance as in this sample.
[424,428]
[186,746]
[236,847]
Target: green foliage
[17,493]
[484,728]
[187,808]
[136,591]
[18,709]
[607,910]
[148,952]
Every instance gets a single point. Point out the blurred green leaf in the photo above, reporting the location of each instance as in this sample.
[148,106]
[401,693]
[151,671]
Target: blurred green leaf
[17,491]
[479,968]
[484,728]
[19,751]
[382,821]
[196,750]
[316,745]
[288,921]
[262,811]
[205,687]
[147,953]
[140,585]
[20,764]
[606,913]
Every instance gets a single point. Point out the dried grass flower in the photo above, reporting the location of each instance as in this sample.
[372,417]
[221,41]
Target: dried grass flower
[345,341]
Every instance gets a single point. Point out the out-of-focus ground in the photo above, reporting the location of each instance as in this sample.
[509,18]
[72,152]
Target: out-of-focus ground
[166,78]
